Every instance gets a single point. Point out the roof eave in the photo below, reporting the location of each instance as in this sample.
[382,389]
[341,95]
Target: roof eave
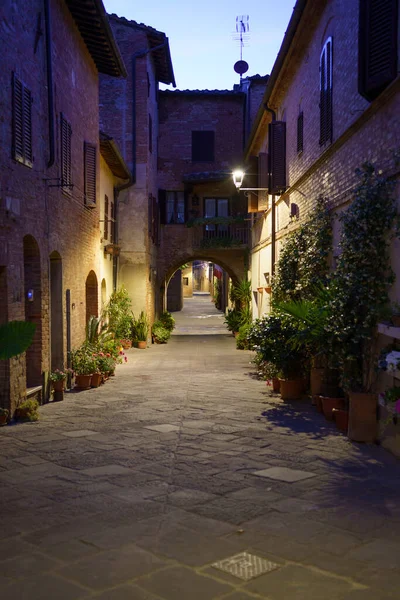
[109,148]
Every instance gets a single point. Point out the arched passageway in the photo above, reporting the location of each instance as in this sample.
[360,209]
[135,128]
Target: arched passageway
[33,309]
[92,296]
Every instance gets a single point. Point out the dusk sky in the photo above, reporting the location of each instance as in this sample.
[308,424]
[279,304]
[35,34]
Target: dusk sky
[201,36]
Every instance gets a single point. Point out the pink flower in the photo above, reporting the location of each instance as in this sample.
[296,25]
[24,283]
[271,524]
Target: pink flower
[101,353]
[108,354]
[121,353]
[126,360]
[397,405]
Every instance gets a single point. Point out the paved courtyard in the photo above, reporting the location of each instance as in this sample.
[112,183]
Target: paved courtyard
[149,488]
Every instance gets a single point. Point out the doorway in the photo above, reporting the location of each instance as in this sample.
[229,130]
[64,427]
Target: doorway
[56,312]
[33,309]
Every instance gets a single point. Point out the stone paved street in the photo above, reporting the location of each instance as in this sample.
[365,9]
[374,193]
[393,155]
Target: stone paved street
[133,490]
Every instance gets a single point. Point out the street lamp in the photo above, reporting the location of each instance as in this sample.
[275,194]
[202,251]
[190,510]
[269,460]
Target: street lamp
[238,178]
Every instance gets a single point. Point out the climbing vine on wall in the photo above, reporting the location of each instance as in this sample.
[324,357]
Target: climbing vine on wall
[303,262]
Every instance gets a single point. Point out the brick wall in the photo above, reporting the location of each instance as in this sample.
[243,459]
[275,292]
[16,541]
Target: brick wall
[29,206]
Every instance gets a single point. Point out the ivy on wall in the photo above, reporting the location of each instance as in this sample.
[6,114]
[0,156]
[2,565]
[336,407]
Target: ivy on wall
[303,261]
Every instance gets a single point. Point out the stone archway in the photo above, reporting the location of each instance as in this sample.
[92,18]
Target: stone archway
[92,296]
[33,309]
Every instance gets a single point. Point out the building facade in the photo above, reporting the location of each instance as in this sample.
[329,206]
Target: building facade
[49,180]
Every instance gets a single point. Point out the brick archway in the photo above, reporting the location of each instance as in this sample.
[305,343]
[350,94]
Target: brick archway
[92,296]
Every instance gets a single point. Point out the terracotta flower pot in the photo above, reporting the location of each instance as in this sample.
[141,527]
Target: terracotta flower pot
[363,417]
[291,389]
[341,418]
[142,345]
[82,382]
[96,380]
[126,344]
[58,386]
[3,419]
[328,404]
[276,385]
[318,403]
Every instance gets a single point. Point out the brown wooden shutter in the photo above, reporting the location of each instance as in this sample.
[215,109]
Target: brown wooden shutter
[22,123]
[90,174]
[113,217]
[325,106]
[162,202]
[377,46]
[277,154]
[300,132]
[66,173]
[263,180]
[251,181]
[106,217]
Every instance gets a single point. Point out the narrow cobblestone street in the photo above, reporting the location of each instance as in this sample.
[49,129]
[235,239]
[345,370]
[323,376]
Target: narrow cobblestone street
[134,490]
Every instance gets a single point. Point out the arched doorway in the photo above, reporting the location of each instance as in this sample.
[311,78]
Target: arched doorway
[92,296]
[56,312]
[33,309]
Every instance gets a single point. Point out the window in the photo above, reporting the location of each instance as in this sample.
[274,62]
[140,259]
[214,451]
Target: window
[106,217]
[150,134]
[377,46]
[185,280]
[90,174]
[325,105]
[66,176]
[175,207]
[22,123]
[300,132]
[216,207]
[203,146]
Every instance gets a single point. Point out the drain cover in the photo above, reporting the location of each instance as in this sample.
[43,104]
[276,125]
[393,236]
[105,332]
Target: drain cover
[245,566]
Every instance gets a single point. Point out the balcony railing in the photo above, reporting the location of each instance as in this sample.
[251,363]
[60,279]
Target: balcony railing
[220,236]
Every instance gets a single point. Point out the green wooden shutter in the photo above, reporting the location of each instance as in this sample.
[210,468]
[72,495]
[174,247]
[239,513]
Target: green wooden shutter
[377,46]
[90,174]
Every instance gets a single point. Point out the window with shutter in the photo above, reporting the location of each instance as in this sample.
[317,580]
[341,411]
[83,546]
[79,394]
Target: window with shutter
[377,46]
[277,156]
[106,217]
[90,174]
[325,105]
[113,236]
[66,173]
[22,123]
[203,146]
[300,132]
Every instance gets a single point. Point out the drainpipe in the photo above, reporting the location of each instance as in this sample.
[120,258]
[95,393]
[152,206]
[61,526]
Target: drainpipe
[273,216]
[50,91]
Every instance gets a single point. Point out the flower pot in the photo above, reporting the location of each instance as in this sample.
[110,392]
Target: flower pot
[142,345]
[82,382]
[318,403]
[341,418]
[291,389]
[363,417]
[396,320]
[126,344]
[328,404]
[96,380]
[276,385]
[3,419]
[58,386]
[316,381]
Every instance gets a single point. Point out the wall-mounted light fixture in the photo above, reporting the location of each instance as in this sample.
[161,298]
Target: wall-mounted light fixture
[238,176]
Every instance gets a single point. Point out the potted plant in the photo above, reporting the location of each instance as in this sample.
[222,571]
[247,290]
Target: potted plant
[118,312]
[160,334]
[233,320]
[58,379]
[105,364]
[360,294]
[4,412]
[167,320]
[140,330]
[28,410]
[84,365]
[390,401]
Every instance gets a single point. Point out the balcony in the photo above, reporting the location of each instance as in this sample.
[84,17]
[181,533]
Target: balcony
[235,235]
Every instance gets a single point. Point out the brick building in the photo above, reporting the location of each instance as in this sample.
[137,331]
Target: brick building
[129,113]
[333,95]
[49,178]
[201,140]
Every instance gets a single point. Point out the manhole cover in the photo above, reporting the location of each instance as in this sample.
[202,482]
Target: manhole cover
[245,566]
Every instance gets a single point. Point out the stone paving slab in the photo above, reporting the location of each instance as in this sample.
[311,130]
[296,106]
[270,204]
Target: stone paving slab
[106,505]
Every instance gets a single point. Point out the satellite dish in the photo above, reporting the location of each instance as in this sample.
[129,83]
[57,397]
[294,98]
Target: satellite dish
[241,67]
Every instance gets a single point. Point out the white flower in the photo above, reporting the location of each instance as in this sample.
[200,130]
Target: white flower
[393,360]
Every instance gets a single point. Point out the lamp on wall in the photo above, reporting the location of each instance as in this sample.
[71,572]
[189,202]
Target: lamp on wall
[238,177]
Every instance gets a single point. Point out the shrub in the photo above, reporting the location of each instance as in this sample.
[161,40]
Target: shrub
[167,320]
[140,327]
[119,313]
[161,335]
[28,411]
[242,342]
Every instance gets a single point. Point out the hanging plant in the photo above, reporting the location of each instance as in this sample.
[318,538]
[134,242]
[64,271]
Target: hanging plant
[363,276]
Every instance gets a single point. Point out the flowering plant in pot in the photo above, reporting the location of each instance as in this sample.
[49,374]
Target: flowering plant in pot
[105,363]
[58,378]
[390,400]
[4,412]
[84,365]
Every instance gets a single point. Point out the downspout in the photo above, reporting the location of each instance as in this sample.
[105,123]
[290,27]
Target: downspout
[50,92]
[273,215]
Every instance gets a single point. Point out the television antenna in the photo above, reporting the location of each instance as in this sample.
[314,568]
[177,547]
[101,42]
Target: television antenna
[242,35]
